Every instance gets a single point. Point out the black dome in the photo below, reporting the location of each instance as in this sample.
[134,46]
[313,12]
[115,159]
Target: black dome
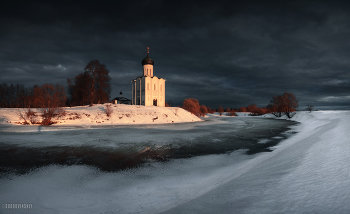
[147,61]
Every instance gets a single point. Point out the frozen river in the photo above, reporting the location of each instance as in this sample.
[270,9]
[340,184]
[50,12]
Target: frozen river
[114,148]
[135,169]
[222,165]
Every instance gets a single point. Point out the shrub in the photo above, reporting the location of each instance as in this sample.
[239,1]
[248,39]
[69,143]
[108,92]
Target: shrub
[23,117]
[203,110]
[191,105]
[253,109]
[232,113]
[242,109]
[108,110]
[60,113]
[31,115]
[210,110]
[48,98]
[220,110]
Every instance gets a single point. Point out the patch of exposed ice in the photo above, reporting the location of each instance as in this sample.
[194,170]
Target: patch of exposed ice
[263,141]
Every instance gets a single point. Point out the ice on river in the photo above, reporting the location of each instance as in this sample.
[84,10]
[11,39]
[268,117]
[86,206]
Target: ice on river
[307,172]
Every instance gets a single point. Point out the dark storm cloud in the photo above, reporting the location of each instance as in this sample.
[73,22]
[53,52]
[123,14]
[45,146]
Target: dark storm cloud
[228,53]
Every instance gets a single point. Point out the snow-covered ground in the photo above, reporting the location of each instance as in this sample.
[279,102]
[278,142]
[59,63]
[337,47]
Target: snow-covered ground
[306,173]
[121,114]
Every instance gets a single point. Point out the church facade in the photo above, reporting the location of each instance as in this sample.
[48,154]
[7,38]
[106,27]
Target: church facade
[148,90]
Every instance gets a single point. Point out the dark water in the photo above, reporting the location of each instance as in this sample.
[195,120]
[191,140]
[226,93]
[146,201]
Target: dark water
[154,143]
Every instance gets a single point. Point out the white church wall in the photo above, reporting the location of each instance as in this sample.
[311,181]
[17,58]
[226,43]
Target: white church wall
[148,70]
[161,92]
[155,95]
[148,91]
[147,88]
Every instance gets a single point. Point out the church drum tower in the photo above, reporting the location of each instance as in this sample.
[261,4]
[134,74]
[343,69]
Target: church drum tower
[148,90]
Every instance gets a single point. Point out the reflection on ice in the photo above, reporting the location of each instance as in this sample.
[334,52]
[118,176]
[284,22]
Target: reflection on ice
[113,148]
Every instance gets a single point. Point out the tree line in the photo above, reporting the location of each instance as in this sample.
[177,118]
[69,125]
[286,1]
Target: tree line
[18,96]
[285,104]
[89,87]
[14,96]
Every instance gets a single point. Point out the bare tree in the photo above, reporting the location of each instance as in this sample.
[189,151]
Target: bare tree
[309,108]
[273,109]
[203,110]
[100,84]
[23,117]
[220,110]
[283,104]
[49,98]
[13,96]
[290,104]
[31,115]
[28,115]
[210,110]
[79,89]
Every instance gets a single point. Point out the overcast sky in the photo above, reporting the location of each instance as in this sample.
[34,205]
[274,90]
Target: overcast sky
[229,53]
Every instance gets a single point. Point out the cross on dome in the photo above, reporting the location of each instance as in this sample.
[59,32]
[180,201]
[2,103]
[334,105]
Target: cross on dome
[147,60]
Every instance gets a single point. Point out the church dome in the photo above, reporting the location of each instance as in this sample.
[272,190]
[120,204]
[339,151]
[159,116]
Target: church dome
[147,60]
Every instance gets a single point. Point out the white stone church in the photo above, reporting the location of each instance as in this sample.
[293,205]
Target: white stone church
[148,90]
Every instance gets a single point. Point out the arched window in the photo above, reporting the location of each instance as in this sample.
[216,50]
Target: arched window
[147,86]
[154,86]
[161,87]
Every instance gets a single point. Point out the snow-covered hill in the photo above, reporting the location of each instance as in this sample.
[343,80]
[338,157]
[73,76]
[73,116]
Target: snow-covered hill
[122,114]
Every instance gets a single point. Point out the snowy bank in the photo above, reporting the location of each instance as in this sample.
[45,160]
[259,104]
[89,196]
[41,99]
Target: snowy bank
[306,173]
[122,115]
